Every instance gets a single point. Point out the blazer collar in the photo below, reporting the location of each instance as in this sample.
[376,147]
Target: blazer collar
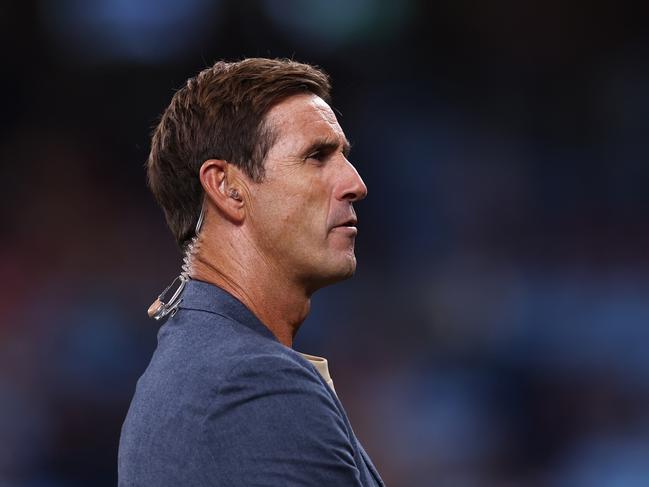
[203,296]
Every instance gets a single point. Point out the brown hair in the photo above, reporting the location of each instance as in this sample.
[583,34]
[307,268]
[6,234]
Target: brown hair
[219,114]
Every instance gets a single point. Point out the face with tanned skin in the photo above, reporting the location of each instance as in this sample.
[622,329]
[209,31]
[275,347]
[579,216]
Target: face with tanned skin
[301,217]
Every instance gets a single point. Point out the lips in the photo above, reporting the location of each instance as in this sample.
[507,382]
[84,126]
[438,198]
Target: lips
[351,222]
[343,217]
[347,227]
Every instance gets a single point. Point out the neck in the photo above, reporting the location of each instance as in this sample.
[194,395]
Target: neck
[278,303]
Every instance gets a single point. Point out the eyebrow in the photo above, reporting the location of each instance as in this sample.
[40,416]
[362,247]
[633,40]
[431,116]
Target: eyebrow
[327,145]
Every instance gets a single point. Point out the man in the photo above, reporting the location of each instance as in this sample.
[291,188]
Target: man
[250,167]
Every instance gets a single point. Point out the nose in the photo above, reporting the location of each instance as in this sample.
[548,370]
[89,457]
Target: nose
[352,187]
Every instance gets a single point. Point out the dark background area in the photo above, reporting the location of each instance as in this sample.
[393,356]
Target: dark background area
[496,331]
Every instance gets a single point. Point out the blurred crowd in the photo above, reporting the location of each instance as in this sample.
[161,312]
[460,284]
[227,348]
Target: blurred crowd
[496,331]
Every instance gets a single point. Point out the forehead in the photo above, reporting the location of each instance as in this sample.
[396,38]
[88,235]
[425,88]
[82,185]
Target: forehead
[301,118]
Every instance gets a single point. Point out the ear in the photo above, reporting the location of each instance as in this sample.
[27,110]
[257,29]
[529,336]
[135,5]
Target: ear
[221,181]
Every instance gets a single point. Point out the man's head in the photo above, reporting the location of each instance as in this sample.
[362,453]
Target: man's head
[258,140]
[219,114]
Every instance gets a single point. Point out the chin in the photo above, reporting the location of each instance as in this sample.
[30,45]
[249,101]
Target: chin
[341,270]
[351,268]
[333,272]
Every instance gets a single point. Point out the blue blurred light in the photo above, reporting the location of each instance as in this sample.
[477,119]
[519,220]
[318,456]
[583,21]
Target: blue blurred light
[327,24]
[132,30]
[607,461]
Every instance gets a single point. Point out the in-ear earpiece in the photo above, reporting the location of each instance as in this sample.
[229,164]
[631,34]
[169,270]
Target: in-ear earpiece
[233,193]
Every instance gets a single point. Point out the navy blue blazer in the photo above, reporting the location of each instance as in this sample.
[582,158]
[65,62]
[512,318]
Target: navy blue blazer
[223,403]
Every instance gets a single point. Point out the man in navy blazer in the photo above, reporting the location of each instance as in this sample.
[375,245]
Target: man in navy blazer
[249,165]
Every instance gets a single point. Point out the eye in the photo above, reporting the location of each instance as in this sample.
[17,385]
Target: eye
[319,156]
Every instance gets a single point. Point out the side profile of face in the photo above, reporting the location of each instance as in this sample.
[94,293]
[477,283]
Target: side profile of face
[301,216]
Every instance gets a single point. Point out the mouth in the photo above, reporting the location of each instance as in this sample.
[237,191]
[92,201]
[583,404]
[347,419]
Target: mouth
[351,223]
[347,227]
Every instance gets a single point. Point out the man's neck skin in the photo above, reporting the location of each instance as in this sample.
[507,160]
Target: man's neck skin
[244,272]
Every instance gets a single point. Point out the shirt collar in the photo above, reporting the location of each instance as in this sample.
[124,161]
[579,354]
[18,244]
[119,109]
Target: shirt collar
[203,296]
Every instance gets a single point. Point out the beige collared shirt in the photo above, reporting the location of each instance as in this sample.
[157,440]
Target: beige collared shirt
[322,367]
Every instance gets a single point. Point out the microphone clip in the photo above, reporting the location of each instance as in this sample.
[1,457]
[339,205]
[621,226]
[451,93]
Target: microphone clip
[169,300]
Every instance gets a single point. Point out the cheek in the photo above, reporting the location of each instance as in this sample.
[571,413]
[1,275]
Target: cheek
[295,207]
[303,215]
[306,206]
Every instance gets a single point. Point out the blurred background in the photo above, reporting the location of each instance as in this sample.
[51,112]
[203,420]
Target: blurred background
[496,331]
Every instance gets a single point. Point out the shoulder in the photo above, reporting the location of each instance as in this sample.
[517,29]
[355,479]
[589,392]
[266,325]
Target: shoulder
[278,378]
[206,357]
[275,423]
[273,366]
[197,355]
[205,339]
[241,408]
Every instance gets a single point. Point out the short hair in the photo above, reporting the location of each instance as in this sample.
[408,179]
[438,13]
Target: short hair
[220,114]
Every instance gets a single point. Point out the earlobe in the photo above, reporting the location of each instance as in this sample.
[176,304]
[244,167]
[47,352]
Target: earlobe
[216,178]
